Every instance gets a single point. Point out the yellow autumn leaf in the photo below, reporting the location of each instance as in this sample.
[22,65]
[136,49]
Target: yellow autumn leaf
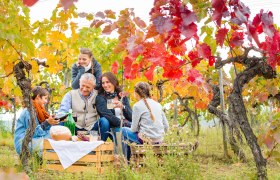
[192,91]
[237,51]
[17,91]
[35,67]
[8,85]
[8,67]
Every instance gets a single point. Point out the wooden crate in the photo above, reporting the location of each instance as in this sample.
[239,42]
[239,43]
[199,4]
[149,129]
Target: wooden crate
[97,160]
[138,152]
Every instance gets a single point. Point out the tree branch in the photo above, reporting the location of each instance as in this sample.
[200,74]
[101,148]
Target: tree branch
[159,86]
[4,76]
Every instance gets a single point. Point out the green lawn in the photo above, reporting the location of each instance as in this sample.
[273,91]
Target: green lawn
[207,162]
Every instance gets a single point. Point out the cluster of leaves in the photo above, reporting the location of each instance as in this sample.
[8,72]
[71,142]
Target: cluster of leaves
[239,14]
[50,46]
[271,138]
[5,101]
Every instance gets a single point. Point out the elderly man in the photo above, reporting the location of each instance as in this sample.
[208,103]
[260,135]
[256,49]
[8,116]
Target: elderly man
[82,103]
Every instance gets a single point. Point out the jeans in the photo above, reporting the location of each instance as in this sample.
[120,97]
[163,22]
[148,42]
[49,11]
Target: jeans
[104,128]
[128,135]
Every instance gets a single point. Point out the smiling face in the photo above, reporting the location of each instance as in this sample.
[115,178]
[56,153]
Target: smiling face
[107,85]
[42,101]
[84,60]
[86,87]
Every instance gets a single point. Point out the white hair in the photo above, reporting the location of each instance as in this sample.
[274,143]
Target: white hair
[88,76]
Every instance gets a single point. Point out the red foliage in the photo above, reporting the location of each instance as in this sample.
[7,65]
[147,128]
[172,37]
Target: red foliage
[115,67]
[150,73]
[66,4]
[220,9]
[211,60]
[163,24]
[195,60]
[236,39]
[194,76]
[221,35]
[29,2]
[204,51]
[172,67]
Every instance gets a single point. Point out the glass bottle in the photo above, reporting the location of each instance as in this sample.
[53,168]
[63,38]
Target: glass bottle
[70,123]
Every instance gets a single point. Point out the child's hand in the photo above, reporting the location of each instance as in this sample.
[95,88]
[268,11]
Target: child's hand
[52,121]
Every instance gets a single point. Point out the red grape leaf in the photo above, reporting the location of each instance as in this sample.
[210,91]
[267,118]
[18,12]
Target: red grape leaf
[211,60]
[220,10]
[110,14]
[189,31]
[29,2]
[162,24]
[115,67]
[221,35]
[188,17]
[193,75]
[66,4]
[100,14]
[236,39]
[204,51]
[150,73]
[139,22]
[195,60]
[107,30]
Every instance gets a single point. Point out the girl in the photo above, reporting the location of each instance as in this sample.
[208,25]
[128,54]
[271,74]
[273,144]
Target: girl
[148,119]
[85,64]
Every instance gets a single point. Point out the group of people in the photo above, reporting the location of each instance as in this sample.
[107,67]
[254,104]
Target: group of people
[88,99]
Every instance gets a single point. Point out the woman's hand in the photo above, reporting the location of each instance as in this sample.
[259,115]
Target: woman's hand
[118,104]
[52,121]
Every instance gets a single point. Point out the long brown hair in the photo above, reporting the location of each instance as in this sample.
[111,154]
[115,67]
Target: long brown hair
[113,79]
[143,90]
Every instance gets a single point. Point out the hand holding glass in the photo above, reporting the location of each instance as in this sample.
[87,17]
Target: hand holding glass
[110,104]
[93,136]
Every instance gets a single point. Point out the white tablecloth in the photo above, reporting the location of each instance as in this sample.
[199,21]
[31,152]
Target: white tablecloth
[69,152]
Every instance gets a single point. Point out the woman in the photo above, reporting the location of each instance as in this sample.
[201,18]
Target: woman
[85,64]
[111,91]
[148,120]
[43,121]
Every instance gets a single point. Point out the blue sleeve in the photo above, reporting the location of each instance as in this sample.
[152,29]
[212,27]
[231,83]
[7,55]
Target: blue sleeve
[101,106]
[22,125]
[66,103]
[77,72]
[97,74]
[127,111]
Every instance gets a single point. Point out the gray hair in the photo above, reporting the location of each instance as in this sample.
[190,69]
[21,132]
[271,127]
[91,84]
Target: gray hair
[88,76]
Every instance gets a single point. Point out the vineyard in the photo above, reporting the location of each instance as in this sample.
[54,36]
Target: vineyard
[182,53]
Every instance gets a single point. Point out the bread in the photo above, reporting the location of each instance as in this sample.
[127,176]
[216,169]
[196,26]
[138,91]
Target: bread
[60,133]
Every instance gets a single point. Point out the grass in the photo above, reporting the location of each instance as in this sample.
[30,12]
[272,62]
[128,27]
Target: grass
[207,162]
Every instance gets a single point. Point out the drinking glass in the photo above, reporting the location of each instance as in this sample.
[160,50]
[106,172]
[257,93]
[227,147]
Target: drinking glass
[110,104]
[93,135]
